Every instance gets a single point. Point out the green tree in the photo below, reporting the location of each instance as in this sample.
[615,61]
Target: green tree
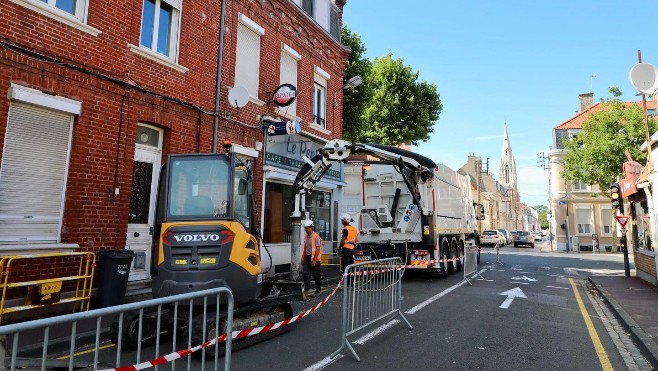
[356,99]
[401,108]
[596,155]
[543,217]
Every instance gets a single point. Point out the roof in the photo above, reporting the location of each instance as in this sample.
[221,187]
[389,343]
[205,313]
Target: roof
[576,122]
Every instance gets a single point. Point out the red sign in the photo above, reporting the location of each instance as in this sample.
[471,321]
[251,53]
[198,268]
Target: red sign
[284,95]
[632,170]
[622,220]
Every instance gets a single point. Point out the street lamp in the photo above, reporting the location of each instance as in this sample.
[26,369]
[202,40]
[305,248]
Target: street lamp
[353,82]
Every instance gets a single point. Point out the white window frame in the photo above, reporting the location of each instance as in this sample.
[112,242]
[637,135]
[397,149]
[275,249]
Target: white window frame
[320,85]
[579,186]
[606,220]
[48,9]
[174,31]
[248,26]
[589,223]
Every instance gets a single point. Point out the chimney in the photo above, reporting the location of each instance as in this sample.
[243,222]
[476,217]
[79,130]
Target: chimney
[586,101]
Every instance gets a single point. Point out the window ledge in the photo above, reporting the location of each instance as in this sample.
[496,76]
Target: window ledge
[256,101]
[149,54]
[33,248]
[319,128]
[282,112]
[58,15]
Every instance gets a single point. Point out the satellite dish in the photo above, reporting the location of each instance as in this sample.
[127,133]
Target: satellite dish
[238,96]
[644,78]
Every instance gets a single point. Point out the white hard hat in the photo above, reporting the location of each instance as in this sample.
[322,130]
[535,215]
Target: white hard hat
[346,217]
[307,223]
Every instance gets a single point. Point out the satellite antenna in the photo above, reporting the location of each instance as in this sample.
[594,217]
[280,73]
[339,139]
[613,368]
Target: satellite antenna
[238,96]
[644,78]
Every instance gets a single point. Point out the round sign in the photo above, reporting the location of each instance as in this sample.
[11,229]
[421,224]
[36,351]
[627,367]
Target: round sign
[284,95]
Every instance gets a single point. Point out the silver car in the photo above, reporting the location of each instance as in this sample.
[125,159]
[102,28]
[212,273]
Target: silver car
[491,237]
[524,238]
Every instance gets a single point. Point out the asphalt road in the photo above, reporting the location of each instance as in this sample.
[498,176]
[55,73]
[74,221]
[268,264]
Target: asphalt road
[458,326]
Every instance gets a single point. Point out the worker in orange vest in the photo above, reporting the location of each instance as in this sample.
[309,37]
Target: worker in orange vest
[311,258]
[347,243]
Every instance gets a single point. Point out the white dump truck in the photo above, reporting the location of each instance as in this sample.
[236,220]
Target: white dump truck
[411,207]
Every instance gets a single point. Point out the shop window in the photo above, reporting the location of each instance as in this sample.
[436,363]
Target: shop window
[279,203]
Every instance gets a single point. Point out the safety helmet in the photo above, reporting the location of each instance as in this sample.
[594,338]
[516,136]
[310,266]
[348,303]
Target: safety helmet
[346,217]
[307,223]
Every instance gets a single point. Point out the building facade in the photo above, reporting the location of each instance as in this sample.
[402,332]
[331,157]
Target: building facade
[98,95]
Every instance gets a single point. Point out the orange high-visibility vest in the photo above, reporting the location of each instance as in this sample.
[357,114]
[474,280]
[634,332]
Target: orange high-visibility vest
[316,254]
[350,241]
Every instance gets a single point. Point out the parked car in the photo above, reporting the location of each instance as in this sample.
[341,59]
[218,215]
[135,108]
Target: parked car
[537,236]
[513,233]
[490,237]
[507,237]
[524,238]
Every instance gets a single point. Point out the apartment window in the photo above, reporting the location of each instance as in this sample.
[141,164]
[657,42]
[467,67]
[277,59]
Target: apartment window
[289,58]
[606,221]
[247,60]
[160,20]
[75,8]
[584,221]
[579,186]
[308,7]
[334,26]
[321,78]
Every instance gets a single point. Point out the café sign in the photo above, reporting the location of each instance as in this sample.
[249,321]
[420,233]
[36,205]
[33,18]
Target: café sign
[284,95]
[287,151]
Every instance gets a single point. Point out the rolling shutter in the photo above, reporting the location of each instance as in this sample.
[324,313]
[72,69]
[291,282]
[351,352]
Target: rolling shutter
[247,61]
[33,174]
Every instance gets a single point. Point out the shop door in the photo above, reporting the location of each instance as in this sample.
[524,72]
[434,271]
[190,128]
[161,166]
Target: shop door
[146,172]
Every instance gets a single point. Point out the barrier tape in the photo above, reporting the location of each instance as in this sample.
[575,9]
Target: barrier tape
[239,334]
[235,335]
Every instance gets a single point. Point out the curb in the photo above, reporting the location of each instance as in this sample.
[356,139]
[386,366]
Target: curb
[647,346]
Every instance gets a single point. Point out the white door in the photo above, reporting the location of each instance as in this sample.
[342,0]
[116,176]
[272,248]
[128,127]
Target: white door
[146,172]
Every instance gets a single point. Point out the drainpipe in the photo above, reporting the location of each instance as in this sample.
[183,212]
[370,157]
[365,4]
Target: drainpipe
[220,58]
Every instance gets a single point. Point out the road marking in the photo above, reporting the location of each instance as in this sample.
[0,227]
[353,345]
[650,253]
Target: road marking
[519,283]
[558,287]
[437,296]
[86,351]
[600,351]
[376,332]
[524,278]
[326,361]
[511,294]
[571,271]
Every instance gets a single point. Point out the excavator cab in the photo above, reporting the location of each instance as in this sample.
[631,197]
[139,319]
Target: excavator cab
[202,234]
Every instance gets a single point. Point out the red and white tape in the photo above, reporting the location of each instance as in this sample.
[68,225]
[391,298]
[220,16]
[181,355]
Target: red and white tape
[239,334]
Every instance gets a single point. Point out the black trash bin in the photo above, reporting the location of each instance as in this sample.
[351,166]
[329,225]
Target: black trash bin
[114,268]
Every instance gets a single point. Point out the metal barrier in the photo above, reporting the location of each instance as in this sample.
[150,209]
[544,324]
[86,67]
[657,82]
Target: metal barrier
[471,262]
[47,291]
[372,292]
[142,326]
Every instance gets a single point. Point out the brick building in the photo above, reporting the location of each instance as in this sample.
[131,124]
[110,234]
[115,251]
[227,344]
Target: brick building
[98,96]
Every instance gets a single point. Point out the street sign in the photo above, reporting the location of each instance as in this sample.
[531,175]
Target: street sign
[623,231]
[622,220]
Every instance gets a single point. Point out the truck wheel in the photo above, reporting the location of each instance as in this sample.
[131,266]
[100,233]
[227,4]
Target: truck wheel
[452,265]
[460,266]
[444,256]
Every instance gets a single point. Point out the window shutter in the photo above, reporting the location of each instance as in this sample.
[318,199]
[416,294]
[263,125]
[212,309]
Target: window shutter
[247,60]
[289,76]
[33,174]
[334,29]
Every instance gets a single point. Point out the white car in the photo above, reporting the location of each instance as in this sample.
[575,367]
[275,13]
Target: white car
[491,237]
[536,236]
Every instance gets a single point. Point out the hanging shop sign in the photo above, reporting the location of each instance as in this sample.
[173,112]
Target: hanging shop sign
[284,128]
[288,152]
[284,95]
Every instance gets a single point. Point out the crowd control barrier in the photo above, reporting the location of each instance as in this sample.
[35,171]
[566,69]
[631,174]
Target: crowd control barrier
[372,292]
[153,332]
[471,262]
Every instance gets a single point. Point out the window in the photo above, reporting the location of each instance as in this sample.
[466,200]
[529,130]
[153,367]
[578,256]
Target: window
[606,221]
[321,78]
[160,20]
[75,8]
[247,60]
[308,6]
[289,58]
[334,26]
[579,186]
[584,221]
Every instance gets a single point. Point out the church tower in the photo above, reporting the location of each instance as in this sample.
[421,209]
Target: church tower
[507,173]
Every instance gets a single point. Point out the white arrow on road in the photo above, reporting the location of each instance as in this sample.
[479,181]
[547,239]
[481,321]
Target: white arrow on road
[524,278]
[511,294]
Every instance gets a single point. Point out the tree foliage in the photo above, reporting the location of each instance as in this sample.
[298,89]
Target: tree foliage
[356,99]
[392,106]
[596,155]
[543,215]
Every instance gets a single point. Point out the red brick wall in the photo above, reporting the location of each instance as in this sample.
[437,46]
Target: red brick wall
[104,134]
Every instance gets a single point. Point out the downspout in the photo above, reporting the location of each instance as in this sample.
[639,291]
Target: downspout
[220,57]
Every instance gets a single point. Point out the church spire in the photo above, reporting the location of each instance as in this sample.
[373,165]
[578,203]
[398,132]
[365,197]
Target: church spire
[507,174]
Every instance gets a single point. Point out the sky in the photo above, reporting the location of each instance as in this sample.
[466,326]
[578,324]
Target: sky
[517,62]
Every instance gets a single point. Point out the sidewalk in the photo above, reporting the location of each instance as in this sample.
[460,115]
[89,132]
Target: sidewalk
[635,304]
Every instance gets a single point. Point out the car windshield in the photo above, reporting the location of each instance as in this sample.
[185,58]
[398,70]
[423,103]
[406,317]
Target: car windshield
[490,233]
[523,233]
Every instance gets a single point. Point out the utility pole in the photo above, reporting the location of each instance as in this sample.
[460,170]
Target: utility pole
[478,170]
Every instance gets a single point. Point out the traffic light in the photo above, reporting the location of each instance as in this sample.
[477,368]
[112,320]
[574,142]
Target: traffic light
[616,198]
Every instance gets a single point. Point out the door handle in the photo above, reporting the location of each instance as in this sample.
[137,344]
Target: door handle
[136,234]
